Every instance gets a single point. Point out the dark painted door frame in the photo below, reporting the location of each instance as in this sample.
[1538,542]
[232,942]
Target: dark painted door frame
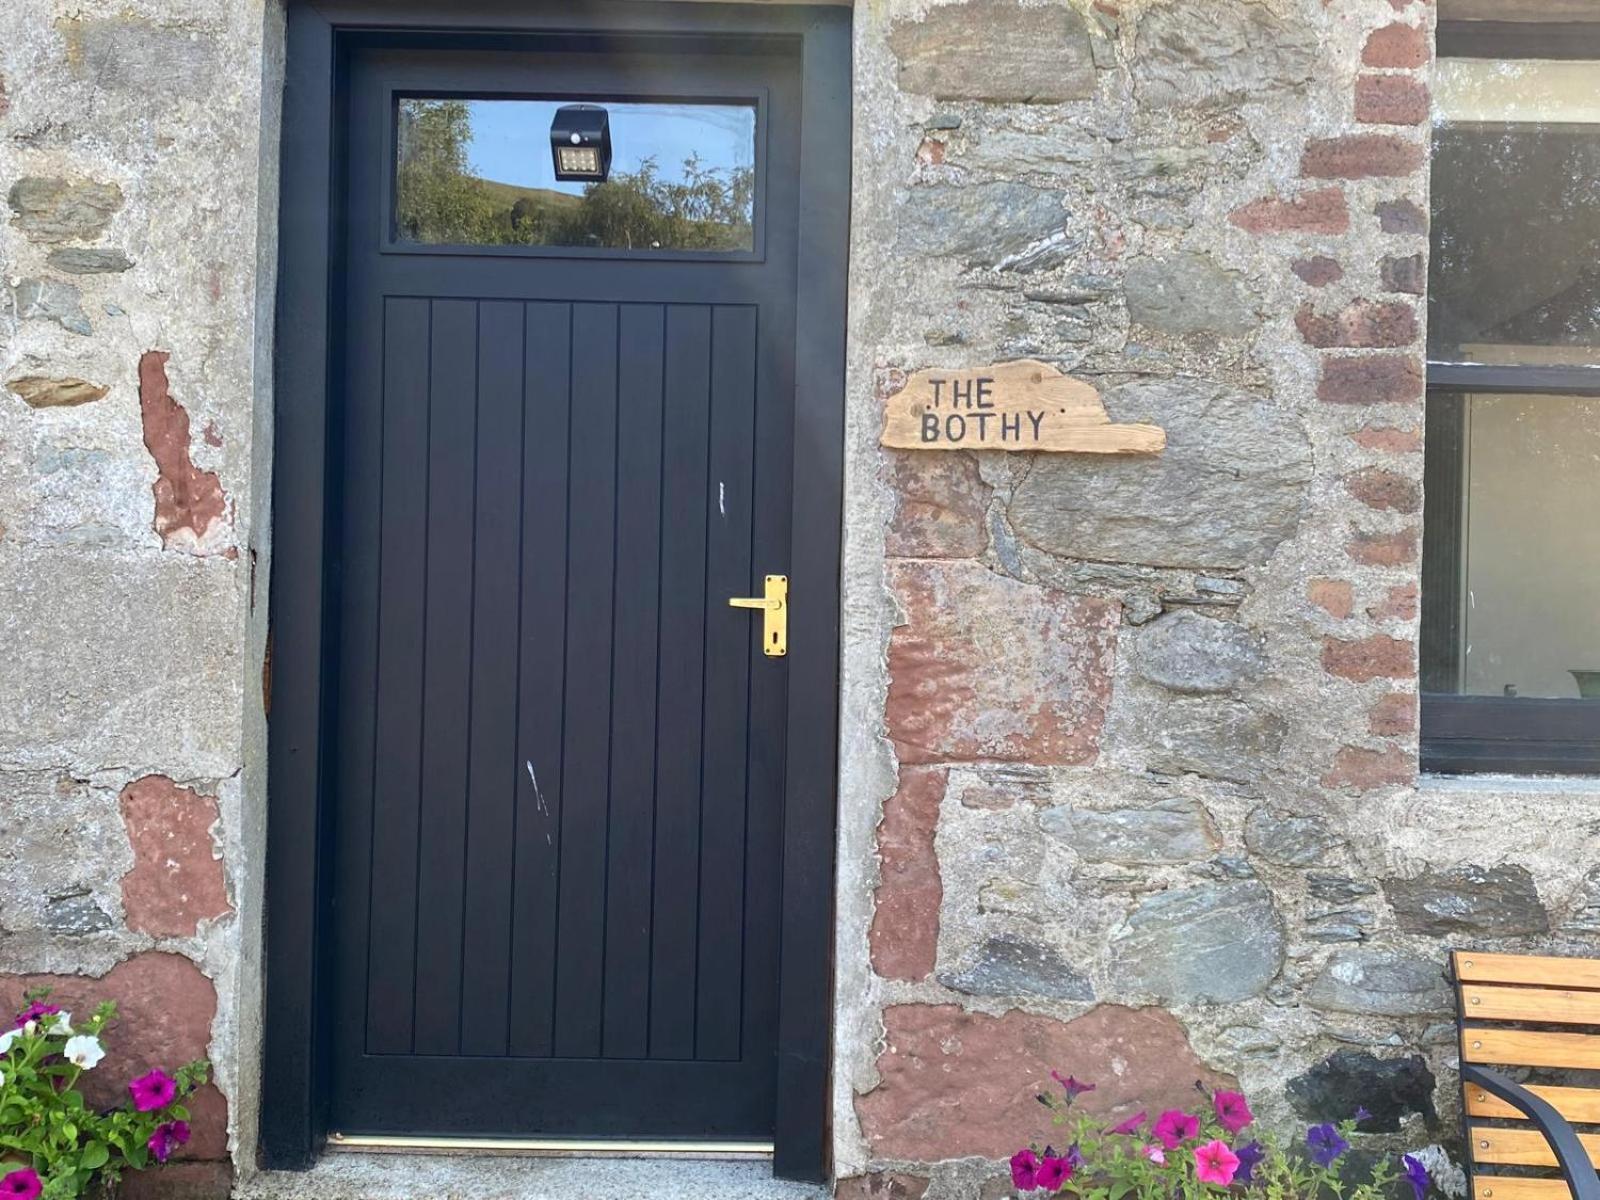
[321,34]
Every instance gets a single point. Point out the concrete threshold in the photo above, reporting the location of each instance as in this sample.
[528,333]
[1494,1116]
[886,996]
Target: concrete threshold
[387,1176]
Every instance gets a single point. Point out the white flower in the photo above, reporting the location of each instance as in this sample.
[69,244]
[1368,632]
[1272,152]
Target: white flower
[7,1038]
[31,1028]
[63,1024]
[84,1051]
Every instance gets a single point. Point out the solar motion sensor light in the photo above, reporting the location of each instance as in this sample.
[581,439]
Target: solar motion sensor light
[580,142]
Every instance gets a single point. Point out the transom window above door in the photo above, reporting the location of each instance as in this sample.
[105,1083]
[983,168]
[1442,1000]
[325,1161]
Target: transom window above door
[1511,548]
[682,177]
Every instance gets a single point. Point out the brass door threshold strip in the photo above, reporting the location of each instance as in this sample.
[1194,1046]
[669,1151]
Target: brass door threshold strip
[551,1147]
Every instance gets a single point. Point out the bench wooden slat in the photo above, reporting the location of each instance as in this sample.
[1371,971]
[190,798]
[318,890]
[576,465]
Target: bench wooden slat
[1522,1147]
[1556,1005]
[1578,1105]
[1540,970]
[1530,1048]
[1512,1187]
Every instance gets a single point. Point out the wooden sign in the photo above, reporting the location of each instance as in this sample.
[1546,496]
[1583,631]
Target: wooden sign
[1022,405]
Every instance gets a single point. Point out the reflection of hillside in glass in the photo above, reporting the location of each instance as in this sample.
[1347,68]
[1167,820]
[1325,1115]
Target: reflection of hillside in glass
[477,173]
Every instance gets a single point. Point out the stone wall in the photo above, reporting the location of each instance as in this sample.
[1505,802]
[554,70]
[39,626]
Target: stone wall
[1138,737]
[137,156]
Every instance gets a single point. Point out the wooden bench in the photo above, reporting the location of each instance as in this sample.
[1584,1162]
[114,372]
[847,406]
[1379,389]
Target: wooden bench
[1529,1012]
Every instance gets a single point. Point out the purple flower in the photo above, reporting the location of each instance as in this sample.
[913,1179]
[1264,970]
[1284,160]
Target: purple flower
[1250,1155]
[1416,1175]
[1053,1172]
[1073,1087]
[167,1138]
[23,1184]
[1131,1125]
[35,1010]
[1172,1128]
[1025,1170]
[1325,1144]
[154,1090]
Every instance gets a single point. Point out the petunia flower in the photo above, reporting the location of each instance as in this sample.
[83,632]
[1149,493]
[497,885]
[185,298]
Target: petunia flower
[1325,1144]
[1131,1125]
[1173,1128]
[21,1184]
[1250,1156]
[1362,1114]
[1416,1175]
[1155,1154]
[1053,1172]
[84,1051]
[1074,1088]
[167,1138]
[1215,1163]
[7,1038]
[152,1091]
[1025,1170]
[35,1010]
[1233,1112]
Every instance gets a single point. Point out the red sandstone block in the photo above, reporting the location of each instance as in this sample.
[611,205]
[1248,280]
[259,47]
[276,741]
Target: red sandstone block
[1318,271]
[1393,714]
[1333,596]
[1361,156]
[1384,549]
[904,938]
[1401,216]
[1377,657]
[1396,46]
[1370,379]
[1361,325]
[940,502]
[1320,211]
[1365,770]
[1388,440]
[1391,100]
[1404,273]
[1399,603]
[1385,490]
[176,880]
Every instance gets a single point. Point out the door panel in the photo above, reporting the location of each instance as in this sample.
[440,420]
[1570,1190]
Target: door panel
[560,754]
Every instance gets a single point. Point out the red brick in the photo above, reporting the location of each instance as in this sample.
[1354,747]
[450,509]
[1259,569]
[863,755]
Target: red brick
[1391,100]
[1393,715]
[1370,379]
[1333,596]
[1404,273]
[165,1010]
[1388,440]
[940,504]
[1401,216]
[1396,46]
[1385,490]
[1384,549]
[957,1084]
[176,880]
[904,937]
[1366,770]
[1361,325]
[881,1186]
[1320,211]
[1361,156]
[1319,271]
[1377,657]
[1399,603]
[989,668]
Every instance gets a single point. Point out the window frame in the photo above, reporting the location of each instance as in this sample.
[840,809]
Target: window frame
[1521,735]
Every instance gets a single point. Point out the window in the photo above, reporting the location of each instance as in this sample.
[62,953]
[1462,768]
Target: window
[1511,544]
[479,173]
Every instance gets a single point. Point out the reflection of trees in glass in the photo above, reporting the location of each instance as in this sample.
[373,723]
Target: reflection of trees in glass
[439,201]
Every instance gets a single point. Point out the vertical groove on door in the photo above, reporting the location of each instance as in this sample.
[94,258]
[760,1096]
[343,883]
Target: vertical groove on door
[396,788]
[487,868]
[541,674]
[591,527]
[686,515]
[447,673]
[729,649]
[634,682]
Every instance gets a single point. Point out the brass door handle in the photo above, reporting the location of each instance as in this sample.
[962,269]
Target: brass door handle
[775,608]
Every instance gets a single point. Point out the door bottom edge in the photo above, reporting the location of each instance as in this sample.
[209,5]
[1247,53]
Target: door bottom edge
[550,1147]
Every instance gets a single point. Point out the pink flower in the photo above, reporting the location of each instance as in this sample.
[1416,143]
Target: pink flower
[1025,1170]
[1215,1163]
[35,1010]
[1233,1113]
[167,1138]
[23,1184]
[1131,1125]
[1073,1087]
[153,1091]
[1173,1128]
[1155,1154]
[1053,1172]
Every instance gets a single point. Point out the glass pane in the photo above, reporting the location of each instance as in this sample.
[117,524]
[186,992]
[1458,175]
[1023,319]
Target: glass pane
[479,172]
[1515,272]
[1523,617]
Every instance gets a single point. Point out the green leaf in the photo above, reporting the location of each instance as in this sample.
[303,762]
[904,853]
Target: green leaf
[95,1156]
